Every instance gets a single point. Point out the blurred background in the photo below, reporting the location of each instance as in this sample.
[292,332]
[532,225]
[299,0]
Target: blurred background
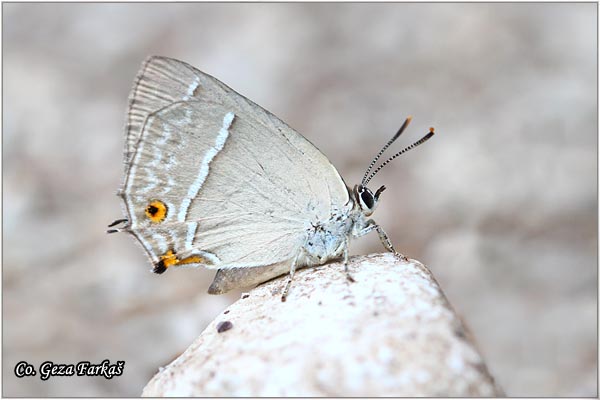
[501,204]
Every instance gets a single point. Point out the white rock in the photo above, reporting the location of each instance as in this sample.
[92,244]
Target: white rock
[390,333]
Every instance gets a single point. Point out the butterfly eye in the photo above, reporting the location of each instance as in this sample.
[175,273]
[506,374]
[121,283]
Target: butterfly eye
[367,199]
[156,211]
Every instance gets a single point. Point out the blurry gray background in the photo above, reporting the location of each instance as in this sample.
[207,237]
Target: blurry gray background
[501,204]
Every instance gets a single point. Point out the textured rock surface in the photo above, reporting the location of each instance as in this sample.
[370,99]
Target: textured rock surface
[391,333]
[502,203]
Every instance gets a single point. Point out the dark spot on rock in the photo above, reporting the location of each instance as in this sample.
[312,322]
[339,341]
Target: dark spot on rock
[226,312]
[224,326]
[245,296]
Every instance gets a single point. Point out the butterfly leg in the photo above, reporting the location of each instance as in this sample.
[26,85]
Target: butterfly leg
[387,243]
[385,240]
[286,289]
[348,276]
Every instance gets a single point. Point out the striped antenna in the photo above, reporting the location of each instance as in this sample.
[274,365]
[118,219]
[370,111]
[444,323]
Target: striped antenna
[392,140]
[412,146]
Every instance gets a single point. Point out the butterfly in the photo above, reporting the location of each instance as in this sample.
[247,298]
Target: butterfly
[213,180]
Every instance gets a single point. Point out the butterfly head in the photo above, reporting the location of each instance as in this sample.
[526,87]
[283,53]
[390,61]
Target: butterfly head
[362,194]
[366,199]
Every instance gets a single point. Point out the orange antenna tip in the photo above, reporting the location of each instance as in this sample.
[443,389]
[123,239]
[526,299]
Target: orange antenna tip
[432,129]
[409,118]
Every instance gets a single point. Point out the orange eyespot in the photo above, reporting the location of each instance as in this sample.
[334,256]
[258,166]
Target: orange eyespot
[156,211]
[170,258]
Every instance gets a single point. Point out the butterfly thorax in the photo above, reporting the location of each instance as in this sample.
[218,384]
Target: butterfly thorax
[327,239]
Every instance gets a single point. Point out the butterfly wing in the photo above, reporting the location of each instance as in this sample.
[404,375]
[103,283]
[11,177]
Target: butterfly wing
[214,179]
[160,82]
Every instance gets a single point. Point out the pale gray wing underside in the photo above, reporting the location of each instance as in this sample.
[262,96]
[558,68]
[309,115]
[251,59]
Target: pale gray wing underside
[239,185]
[159,83]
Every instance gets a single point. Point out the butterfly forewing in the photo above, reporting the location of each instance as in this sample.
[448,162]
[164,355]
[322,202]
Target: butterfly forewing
[160,82]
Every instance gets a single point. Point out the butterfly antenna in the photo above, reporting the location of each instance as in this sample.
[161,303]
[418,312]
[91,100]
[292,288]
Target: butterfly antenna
[392,140]
[412,146]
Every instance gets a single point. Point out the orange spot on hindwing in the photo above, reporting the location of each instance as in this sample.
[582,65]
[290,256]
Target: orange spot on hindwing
[156,210]
[193,260]
[170,258]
